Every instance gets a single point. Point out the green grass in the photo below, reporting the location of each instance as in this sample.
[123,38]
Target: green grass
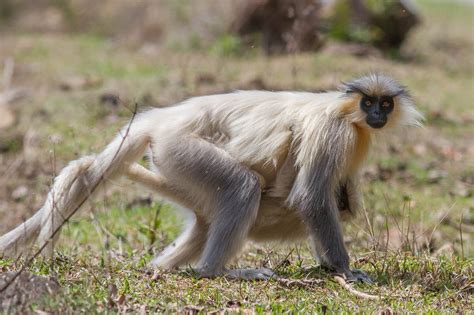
[88,271]
[109,244]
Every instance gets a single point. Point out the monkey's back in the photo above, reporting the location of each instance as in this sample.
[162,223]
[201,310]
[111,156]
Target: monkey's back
[252,126]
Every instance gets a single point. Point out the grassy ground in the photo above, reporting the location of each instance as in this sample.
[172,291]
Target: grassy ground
[418,187]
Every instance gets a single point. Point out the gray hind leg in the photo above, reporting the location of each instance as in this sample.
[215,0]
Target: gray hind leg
[185,249]
[232,193]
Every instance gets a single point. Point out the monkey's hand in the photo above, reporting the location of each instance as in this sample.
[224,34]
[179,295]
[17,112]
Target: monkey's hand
[354,275]
[357,275]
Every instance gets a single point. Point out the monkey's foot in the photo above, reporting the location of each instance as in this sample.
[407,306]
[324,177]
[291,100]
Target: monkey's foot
[243,274]
[357,275]
[251,274]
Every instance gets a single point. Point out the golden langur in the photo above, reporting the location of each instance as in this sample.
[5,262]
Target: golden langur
[255,165]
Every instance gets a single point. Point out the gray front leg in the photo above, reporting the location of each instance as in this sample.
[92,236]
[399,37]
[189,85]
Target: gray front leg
[327,239]
[314,196]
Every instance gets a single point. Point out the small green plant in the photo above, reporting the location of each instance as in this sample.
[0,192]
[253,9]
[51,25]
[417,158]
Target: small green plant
[227,45]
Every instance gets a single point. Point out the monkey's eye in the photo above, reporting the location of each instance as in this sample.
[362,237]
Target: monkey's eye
[368,103]
[386,104]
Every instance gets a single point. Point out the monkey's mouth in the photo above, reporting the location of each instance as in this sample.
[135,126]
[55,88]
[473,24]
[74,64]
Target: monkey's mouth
[376,124]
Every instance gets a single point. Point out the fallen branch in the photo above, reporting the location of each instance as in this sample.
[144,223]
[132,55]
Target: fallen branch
[298,283]
[349,288]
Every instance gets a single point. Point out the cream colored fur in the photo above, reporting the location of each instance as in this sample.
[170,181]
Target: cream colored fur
[275,134]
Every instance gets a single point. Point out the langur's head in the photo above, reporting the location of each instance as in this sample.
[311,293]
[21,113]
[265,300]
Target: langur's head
[378,101]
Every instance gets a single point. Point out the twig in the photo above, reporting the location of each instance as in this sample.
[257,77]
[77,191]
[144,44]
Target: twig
[303,283]
[280,264]
[369,224]
[349,288]
[30,260]
[448,212]
[284,260]
[460,236]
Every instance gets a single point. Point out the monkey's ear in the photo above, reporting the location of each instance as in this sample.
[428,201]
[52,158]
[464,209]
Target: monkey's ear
[349,88]
[402,91]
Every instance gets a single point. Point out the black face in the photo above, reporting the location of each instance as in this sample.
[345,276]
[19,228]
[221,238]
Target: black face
[377,109]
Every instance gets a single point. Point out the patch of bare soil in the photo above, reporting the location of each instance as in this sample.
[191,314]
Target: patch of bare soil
[25,290]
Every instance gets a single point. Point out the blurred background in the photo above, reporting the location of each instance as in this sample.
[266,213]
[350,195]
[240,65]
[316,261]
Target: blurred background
[72,71]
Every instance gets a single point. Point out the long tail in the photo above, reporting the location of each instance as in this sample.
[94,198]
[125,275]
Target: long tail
[73,186]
